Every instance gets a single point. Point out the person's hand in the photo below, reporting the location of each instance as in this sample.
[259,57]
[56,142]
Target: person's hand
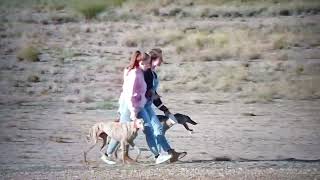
[171,117]
[149,94]
[167,113]
[133,116]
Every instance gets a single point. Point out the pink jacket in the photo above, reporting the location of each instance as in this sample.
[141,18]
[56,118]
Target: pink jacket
[134,90]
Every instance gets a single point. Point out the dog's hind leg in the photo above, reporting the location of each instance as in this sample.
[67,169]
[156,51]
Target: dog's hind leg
[86,152]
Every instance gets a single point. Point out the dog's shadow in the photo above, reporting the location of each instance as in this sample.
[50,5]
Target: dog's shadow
[208,161]
[228,159]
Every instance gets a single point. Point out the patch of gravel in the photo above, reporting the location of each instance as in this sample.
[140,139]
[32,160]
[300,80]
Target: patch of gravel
[180,170]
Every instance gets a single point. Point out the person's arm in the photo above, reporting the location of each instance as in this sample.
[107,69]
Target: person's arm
[137,99]
[148,77]
[158,103]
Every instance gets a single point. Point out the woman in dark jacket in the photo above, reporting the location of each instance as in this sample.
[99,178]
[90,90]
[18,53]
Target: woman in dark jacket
[152,82]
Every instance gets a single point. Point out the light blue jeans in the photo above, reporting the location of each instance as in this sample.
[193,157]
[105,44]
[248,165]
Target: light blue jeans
[162,143]
[148,130]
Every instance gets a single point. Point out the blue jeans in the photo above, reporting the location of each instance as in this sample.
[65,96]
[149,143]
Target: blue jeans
[162,143]
[148,130]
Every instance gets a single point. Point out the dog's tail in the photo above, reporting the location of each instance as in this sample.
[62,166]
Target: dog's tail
[92,135]
[89,136]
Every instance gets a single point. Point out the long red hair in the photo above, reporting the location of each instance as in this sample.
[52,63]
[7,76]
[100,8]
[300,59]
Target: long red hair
[136,57]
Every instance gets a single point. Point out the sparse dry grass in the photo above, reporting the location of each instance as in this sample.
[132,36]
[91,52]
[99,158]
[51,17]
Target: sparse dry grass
[260,83]
[308,88]
[199,45]
[283,89]
[204,78]
[228,42]
[220,8]
[88,9]
[126,9]
[233,8]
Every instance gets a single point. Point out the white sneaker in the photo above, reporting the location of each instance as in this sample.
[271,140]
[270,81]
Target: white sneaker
[163,158]
[107,159]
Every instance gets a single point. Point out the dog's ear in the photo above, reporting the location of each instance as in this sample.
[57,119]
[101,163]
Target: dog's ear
[162,118]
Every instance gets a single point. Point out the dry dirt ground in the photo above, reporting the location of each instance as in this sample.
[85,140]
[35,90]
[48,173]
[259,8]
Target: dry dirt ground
[43,123]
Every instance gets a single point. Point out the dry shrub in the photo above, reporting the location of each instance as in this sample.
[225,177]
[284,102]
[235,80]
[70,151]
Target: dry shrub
[211,55]
[221,44]
[308,88]
[249,8]
[204,78]
[33,78]
[151,38]
[230,77]
[280,41]
[282,56]
[283,89]
[294,7]
[107,105]
[262,92]
[243,43]
[134,39]
[28,52]
[145,5]
[90,9]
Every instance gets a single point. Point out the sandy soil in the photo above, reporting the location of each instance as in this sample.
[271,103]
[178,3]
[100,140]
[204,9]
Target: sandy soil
[43,125]
[281,142]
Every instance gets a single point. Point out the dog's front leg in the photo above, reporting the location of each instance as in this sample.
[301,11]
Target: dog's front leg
[137,149]
[125,156]
[116,151]
[87,151]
